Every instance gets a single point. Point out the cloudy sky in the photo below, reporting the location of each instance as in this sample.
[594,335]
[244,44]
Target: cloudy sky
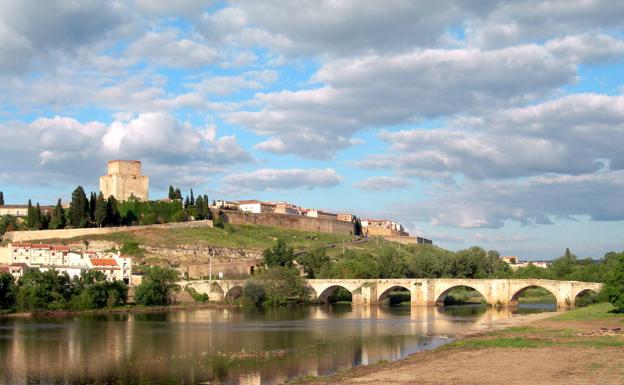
[499,124]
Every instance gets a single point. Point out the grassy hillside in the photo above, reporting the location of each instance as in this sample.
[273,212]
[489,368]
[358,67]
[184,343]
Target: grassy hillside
[234,236]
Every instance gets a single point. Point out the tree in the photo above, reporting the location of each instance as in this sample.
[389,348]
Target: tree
[113,218]
[171,192]
[1,198]
[30,216]
[79,208]
[92,205]
[357,224]
[278,255]
[99,215]
[280,285]
[614,284]
[58,217]
[7,291]
[38,221]
[187,202]
[192,201]
[178,194]
[313,262]
[564,265]
[157,287]
[8,223]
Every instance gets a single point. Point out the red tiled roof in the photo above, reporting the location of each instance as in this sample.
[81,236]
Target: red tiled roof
[60,248]
[104,262]
[41,246]
[22,265]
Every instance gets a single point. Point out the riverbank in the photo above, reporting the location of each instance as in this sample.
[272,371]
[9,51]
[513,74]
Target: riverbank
[119,310]
[582,346]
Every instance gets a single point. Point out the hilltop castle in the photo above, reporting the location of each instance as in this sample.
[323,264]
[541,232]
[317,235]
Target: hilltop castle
[124,180]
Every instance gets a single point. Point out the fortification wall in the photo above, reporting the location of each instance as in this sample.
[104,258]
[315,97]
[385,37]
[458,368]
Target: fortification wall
[27,236]
[290,222]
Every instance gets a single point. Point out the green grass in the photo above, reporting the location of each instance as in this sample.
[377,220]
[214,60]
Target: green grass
[234,236]
[592,312]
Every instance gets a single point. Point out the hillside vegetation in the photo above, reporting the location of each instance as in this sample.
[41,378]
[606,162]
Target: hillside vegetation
[232,236]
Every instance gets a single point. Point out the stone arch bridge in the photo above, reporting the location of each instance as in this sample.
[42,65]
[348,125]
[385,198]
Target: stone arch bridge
[502,292]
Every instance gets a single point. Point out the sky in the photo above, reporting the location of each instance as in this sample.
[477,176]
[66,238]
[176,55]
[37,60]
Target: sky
[491,123]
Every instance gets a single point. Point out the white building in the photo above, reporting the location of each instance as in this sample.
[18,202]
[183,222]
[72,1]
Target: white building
[256,207]
[60,258]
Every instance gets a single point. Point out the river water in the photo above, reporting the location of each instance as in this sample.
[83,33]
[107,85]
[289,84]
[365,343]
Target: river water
[229,346]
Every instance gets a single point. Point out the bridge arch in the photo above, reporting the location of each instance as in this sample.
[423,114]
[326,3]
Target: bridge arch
[515,297]
[233,293]
[581,293]
[383,295]
[328,291]
[442,296]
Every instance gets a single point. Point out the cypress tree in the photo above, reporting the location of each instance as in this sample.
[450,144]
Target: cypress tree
[92,201]
[187,201]
[30,216]
[58,218]
[171,192]
[79,209]
[38,220]
[192,202]
[112,212]
[100,210]
[1,198]
[178,194]
[199,204]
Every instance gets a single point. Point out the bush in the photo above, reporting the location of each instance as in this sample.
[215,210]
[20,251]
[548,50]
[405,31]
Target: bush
[278,255]
[614,284]
[157,287]
[197,297]
[253,293]
[276,286]
[8,290]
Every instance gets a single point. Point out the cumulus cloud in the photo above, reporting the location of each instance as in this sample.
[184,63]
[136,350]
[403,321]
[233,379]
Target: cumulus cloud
[382,183]
[573,135]
[171,150]
[170,49]
[281,179]
[347,28]
[533,20]
[35,33]
[375,90]
[226,85]
[535,200]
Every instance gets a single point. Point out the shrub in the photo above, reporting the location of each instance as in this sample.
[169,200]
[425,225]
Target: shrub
[7,291]
[614,284]
[157,287]
[253,293]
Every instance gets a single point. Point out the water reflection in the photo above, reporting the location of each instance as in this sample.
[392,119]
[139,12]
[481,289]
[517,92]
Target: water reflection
[232,346]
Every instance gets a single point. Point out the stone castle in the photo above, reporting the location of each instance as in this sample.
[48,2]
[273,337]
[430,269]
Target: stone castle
[124,180]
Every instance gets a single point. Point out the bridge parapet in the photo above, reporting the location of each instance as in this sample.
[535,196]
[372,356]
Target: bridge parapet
[501,292]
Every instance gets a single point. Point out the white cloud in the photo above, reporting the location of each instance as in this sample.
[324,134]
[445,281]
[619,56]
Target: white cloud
[36,33]
[535,200]
[226,85]
[63,150]
[281,179]
[170,49]
[574,135]
[587,48]
[382,183]
[373,90]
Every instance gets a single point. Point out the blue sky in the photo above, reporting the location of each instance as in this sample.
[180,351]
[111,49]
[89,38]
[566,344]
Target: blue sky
[497,123]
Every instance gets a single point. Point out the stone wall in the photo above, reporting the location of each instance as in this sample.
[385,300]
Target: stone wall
[294,222]
[27,236]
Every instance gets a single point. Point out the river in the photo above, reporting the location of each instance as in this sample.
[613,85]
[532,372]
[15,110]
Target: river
[229,346]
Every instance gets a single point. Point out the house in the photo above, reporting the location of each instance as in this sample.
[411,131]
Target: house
[18,270]
[321,214]
[256,207]
[286,208]
[383,227]
[345,217]
[22,210]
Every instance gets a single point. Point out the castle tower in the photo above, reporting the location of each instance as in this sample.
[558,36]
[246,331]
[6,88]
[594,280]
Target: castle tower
[124,180]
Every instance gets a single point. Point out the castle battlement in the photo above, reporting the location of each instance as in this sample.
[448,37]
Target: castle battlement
[124,180]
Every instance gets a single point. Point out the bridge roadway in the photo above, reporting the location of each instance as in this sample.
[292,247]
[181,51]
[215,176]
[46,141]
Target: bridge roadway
[501,292]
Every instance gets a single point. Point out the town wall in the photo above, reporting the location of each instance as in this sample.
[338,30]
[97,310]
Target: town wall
[26,236]
[409,240]
[294,222]
[5,255]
